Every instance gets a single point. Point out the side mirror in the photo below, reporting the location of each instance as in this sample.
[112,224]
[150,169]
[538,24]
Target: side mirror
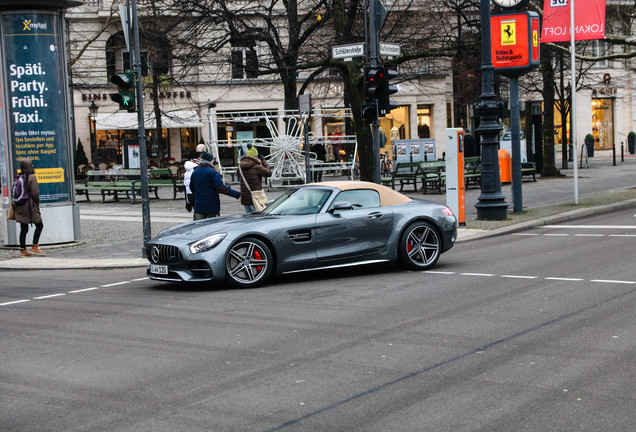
[340,206]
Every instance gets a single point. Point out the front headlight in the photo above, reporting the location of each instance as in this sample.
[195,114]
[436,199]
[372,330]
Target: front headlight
[207,243]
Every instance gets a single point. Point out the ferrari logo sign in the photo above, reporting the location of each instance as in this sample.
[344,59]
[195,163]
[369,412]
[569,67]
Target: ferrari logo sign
[508,32]
[514,41]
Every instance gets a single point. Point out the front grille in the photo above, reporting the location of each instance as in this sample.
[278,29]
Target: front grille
[164,254]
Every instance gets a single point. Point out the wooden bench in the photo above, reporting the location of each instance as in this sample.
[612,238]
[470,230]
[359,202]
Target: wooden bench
[472,171]
[529,169]
[406,173]
[163,177]
[433,175]
[110,183]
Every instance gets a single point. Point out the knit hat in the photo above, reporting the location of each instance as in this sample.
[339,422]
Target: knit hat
[207,156]
[201,148]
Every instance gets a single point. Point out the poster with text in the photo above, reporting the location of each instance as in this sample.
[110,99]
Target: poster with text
[589,20]
[36,95]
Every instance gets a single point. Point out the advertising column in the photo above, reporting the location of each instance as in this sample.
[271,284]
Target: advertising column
[35,111]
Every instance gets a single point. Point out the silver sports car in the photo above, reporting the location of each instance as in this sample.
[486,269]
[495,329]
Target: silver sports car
[309,227]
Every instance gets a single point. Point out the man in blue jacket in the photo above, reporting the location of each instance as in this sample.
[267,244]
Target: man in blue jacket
[206,184]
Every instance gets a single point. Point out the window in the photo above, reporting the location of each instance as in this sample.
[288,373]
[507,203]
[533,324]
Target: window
[365,198]
[601,48]
[125,61]
[244,60]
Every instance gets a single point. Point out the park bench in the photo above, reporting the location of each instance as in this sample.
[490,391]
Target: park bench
[406,173]
[110,183]
[529,169]
[433,175]
[472,171]
[163,177]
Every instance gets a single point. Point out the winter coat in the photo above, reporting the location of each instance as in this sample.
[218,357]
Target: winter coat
[189,168]
[29,211]
[253,169]
[206,185]
[321,152]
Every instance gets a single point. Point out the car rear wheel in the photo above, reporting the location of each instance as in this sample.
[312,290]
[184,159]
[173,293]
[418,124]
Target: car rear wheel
[420,246]
[248,263]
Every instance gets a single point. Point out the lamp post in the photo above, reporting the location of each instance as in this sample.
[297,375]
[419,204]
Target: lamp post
[92,113]
[492,203]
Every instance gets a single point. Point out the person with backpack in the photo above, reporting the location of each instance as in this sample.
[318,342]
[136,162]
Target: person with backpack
[27,209]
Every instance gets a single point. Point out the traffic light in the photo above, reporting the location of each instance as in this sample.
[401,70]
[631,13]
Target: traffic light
[387,89]
[126,90]
[373,77]
[370,112]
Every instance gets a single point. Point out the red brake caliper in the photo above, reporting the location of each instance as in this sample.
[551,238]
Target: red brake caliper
[257,255]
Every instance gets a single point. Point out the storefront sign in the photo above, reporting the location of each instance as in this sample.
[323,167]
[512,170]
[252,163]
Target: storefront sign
[36,94]
[514,42]
[589,20]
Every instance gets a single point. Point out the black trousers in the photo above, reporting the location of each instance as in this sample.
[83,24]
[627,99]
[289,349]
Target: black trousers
[24,229]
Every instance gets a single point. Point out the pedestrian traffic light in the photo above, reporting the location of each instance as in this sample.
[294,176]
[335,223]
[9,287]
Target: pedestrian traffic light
[387,89]
[126,90]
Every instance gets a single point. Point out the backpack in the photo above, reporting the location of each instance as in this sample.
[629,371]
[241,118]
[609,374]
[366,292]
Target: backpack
[19,190]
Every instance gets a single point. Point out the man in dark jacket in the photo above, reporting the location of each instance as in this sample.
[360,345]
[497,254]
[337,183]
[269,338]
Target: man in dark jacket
[253,169]
[321,156]
[206,184]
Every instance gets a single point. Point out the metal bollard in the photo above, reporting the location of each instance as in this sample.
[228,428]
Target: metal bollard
[622,152]
[614,154]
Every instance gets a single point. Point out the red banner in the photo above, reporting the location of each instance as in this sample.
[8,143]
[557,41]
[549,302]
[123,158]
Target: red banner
[589,20]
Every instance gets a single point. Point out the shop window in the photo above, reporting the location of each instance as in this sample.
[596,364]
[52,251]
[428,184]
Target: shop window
[425,121]
[603,123]
[189,141]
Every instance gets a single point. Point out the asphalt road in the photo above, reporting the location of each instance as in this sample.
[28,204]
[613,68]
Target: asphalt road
[528,331]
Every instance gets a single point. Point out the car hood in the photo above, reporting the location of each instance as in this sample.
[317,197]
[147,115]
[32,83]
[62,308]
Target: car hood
[192,231]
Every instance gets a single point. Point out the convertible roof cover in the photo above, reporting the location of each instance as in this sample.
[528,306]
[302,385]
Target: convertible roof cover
[388,196]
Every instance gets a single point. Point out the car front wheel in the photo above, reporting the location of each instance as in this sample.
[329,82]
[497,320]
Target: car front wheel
[248,263]
[420,246]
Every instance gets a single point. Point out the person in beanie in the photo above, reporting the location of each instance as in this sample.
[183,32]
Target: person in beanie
[253,168]
[206,184]
[28,212]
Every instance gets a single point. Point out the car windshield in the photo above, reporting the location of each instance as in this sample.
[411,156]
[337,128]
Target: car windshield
[299,201]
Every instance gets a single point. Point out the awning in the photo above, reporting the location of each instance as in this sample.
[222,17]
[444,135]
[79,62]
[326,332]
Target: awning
[127,121]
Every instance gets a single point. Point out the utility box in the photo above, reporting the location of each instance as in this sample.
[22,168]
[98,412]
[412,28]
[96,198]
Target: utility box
[455,184]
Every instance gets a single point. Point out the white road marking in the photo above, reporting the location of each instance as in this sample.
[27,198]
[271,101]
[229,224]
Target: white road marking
[49,296]
[589,226]
[526,234]
[439,272]
[589,235]
[9,303]
[612,281]
[519,277]
[477,274]
[13,302]
[556,235]
[83,290]
[564,279]
[115,284]
[622,235]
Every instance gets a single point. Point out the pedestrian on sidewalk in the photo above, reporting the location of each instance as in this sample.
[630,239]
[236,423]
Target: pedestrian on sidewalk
[189,167]
[253,170]
[321,157]
[28,212]
[206,184]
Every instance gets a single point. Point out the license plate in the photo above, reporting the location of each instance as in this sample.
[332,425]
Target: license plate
[159,269]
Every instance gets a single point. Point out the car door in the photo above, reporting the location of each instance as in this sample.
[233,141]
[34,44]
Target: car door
[364,229]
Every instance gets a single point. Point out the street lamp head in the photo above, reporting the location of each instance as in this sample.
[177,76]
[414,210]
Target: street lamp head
[92,109]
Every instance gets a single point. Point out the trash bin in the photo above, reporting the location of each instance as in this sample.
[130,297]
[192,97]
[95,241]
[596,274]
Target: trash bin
[631,142]
[505,166]
[589,144]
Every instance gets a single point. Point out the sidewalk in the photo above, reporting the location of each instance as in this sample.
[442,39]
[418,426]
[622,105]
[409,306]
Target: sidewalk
[112,232]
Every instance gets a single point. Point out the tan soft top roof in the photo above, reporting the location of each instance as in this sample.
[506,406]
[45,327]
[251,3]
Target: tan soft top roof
[388,196]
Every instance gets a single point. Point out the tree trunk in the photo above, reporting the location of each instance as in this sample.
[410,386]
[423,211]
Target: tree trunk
[549,170]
